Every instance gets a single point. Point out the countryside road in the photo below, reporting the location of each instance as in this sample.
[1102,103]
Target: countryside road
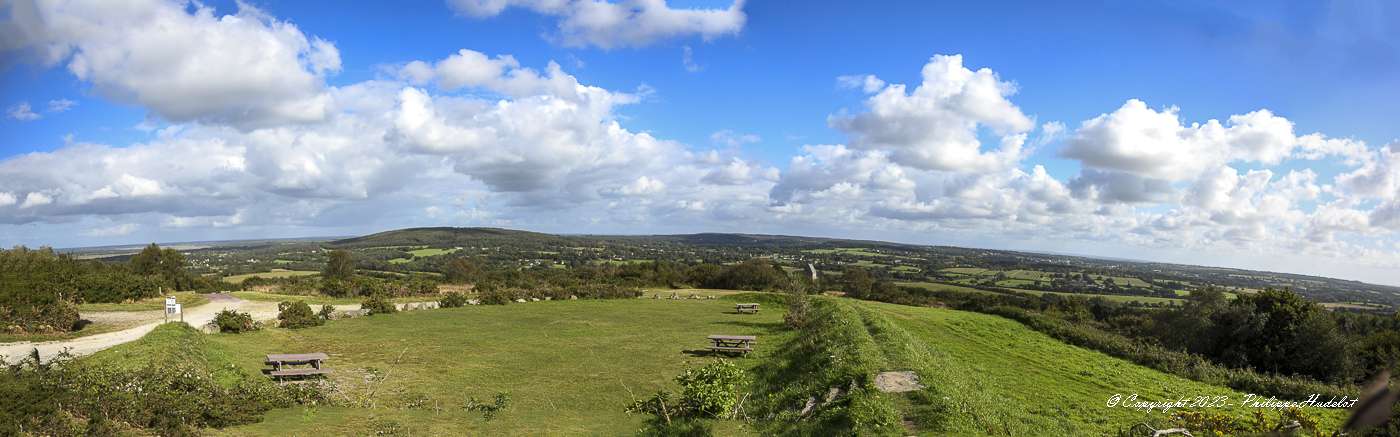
[195,316]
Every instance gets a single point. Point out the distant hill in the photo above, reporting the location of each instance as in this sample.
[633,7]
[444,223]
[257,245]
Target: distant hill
[442,236]
[926,261]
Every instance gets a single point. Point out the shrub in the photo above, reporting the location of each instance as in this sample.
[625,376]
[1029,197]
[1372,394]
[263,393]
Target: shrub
[230,321]
[175,394]
[378,304]
[295,315]
[711,391]
[488,411]
[498,295]
[453,300]
[327,312]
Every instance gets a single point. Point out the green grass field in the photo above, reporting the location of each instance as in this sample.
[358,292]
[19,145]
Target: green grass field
[1006,379]
[184,298]
[427,252]
[316,299]
[570,367]
[275,273]
[936,286]
[857,251]
[974,271]
[1111,297]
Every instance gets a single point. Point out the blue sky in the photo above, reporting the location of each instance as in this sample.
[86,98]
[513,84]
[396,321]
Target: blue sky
[771,80]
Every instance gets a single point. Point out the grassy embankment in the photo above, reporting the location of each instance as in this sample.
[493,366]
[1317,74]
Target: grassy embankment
[986,375]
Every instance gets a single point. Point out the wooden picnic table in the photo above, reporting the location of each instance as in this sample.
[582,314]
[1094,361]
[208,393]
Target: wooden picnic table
[749,308]
[732,343]
[277,361]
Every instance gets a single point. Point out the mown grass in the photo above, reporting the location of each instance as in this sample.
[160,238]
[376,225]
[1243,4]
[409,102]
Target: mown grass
[1006,379]
[275,273]
[184,298]
[571,367]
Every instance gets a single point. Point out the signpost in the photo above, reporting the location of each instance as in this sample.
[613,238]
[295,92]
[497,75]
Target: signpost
[172,308]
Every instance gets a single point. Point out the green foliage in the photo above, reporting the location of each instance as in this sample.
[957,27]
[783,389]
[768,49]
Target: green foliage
[340,265]
[1262,422]
[488,410]
[38,289]
[378,304]
[712,390]
[462,271]
[233,322]
[709,392]
[326,312]
[297,314]
[175,395]
[452,300]
[166,265]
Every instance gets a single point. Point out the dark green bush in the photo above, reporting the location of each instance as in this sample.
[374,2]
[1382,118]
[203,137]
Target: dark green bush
[711,391]
[452,300]
[174,395]
[233,322]
[326,313]
[295,315]
[491,295]
[378,304]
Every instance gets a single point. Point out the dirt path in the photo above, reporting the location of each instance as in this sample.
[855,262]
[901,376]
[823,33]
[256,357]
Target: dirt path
[196,317]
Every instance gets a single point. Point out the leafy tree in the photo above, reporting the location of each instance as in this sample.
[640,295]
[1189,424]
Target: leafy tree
[339,266]
[857,282]
[147,262]
[462,271]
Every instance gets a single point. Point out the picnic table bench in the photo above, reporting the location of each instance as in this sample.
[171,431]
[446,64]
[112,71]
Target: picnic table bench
[278,361]
[742,344]
[746,308]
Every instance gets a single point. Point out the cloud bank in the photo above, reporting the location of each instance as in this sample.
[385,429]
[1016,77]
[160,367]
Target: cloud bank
[476,138]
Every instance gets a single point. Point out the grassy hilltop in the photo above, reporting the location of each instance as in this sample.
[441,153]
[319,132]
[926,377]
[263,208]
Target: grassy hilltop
[571,367]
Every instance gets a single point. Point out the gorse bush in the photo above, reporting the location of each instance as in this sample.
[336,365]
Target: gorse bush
[297,314]
[452,300]
[176,393]
[378,304]
[234,322]
[709,392]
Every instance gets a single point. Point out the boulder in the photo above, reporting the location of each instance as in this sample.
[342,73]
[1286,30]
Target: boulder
[898,382]
[474,301]
[572,297]
[534,299]
[521,300]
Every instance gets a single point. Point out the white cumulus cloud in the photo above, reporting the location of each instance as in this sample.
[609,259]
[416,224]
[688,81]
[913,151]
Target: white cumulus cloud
[628,23]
